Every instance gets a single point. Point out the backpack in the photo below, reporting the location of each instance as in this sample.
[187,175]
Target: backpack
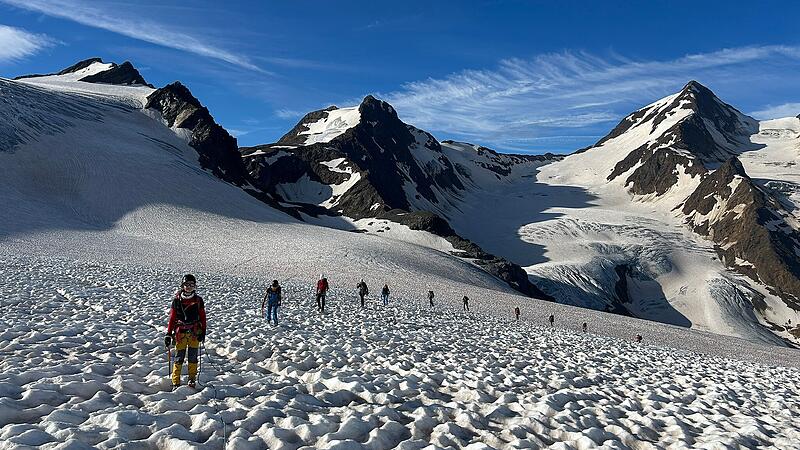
[274,295]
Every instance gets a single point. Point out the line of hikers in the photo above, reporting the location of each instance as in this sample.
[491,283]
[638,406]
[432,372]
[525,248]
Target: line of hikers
[186,327]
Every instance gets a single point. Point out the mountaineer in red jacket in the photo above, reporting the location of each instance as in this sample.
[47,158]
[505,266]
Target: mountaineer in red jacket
[322,290]
[186,328]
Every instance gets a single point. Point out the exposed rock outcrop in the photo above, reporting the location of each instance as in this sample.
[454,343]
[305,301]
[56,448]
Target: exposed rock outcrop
[749,227]
[124,73]
[217,149]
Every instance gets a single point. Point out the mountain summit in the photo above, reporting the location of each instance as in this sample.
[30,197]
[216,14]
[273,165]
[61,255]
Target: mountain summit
[94,70]
[364,162]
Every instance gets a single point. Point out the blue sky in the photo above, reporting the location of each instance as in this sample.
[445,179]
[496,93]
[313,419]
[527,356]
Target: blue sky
[520,76]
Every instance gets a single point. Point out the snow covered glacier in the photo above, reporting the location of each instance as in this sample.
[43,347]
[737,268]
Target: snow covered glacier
[106,205]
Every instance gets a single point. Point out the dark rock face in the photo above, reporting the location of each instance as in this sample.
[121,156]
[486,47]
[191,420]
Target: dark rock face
[80,65]
[750,225]
[217,149]
[379,148]
[690,143]
[73,68]
[124,73]
[402,173]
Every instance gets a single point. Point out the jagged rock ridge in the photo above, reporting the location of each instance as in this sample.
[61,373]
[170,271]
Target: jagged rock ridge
[217,149]
[365,162]
[750,228]
[708,131]
[122,74]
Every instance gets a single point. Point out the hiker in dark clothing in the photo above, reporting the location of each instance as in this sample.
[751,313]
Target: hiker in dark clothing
[552,319]
[362,291]
[638,338]
[273,299]
[430,298]
[585,327]
[466,303]
[385,294]
[516,312]
[322,291]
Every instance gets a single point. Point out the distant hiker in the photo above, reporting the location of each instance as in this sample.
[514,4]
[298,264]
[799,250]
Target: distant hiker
[552,319]
[322,290]
[638,338]
[362,291]
[273,300]
[430,298]
[466,303]
[516,312]
[385,294]
[585,327]
[186,328]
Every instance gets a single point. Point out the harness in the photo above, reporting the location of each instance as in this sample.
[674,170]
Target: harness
[182,324]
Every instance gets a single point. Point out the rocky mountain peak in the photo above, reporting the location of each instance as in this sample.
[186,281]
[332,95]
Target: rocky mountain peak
[124,73]
[708,106]
[80,65]
[373,109]
[107,73]
[217,150]
[731,168]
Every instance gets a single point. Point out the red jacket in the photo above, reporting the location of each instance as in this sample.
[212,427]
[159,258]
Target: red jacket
[187,314]
[322,286]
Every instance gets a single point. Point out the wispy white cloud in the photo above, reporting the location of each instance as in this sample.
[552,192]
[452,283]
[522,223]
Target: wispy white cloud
[523,99]
[16,43]
[288,114]
[777,111]
[93,15]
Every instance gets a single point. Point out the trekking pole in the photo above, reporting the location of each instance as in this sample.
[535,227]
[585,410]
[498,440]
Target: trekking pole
[169,362]
[200,356]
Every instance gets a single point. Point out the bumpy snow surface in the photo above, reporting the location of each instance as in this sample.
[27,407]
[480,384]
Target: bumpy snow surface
[84,365]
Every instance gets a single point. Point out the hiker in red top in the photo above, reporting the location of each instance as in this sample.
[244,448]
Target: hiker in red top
[186,328]
[322,290]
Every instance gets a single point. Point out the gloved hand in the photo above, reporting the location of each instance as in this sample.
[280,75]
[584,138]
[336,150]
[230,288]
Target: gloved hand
[167,340]
[202,336]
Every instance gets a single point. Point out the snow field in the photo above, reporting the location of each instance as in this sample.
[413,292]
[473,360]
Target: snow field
[83,365]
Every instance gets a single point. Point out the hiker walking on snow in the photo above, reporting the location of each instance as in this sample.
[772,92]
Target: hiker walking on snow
[516,312]
[430,298]
[466,303]
[186,328]
[273,300]
[322,290]
[585,327]
[385,294]
[362,291]
[552,319]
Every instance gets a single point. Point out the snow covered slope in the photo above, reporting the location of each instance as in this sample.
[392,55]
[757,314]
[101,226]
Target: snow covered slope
[96,175]
[86,367]
[365,163]
[607,228]
[110,193]
[648,183]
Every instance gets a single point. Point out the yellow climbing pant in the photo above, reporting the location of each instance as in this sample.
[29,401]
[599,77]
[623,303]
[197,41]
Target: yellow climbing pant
[185,341]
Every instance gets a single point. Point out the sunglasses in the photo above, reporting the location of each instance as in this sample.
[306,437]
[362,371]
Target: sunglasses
[190,284]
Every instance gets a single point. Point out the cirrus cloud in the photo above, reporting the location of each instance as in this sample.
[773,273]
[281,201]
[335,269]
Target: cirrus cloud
[16,43]
[523,100]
